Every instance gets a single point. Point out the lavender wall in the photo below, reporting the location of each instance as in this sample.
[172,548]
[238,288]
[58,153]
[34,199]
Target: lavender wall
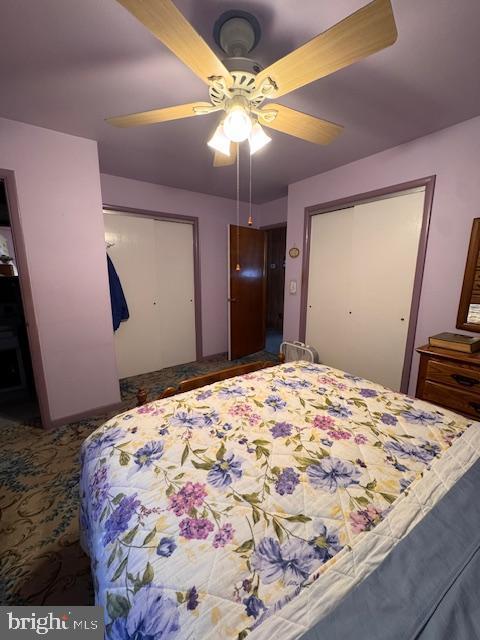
[272,212]
[214,215]
[59,196]
[453,155]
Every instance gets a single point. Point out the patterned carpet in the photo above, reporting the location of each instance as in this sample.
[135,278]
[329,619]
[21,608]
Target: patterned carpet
[41,561]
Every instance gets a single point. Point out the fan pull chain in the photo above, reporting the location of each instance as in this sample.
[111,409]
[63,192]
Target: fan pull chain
[237,268]
[250,217]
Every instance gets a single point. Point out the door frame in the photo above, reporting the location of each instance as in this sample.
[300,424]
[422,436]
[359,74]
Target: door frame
[349,201]
[192,220]
[39,378]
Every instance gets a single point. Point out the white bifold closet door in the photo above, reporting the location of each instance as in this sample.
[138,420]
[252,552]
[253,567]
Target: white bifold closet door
[154,261]
[361,276]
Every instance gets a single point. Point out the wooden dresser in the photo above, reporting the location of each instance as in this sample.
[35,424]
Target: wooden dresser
[450,379]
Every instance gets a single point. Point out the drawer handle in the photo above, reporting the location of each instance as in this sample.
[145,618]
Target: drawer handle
[464,380]
[475,406]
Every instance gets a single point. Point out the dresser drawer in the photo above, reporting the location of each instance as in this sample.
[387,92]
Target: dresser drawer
[452,398]
[454,375]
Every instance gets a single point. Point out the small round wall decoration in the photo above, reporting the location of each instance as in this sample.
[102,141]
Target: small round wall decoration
[294,252]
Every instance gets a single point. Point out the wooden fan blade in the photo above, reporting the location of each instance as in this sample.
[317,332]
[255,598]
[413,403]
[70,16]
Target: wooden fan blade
[366,31]
[221,160]
[301,125]
[157,115]
[170,26]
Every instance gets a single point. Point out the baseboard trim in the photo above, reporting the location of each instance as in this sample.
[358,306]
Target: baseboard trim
[60,422]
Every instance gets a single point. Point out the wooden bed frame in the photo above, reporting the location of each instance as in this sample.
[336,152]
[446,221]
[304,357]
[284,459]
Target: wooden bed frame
[208,378]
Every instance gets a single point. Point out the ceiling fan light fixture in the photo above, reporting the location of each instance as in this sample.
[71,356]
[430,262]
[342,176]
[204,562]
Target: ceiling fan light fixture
[238,123]
[258,138]
[219,141]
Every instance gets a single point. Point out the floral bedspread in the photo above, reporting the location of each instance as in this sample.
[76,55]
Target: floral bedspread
[207,512]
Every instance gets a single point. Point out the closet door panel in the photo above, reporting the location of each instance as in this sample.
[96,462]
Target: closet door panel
[133,255]
[175,306]
[384,253]
[329,287]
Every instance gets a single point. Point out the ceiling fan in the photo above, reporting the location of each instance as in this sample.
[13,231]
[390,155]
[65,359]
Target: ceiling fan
[238,86]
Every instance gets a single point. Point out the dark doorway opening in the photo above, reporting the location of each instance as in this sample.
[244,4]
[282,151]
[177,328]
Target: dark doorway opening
[276,251]
[18,399]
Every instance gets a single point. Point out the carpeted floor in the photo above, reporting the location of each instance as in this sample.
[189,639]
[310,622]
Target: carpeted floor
[41,561]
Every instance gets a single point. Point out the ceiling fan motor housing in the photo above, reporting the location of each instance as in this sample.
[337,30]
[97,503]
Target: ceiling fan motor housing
[237,33]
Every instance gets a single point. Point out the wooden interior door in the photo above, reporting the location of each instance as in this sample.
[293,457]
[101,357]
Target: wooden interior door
[247,291]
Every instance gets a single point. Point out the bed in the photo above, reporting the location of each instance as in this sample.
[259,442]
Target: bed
[260,504]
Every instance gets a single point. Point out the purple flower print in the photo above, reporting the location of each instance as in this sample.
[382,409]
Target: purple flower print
[323,422]
[291,562]
[195,528]
[232,392]
[187,419]
[166,547]
[190,496]
[287,481]
[102,440]
[339,411]
[210,418]
[281,429]
[153,616]
[148,454]
[99,488]
[388,419]
[254,606]
[424,453]
[338,434]
[353,378]
[428,451]
[146,408]
[275,402]
[192,599]
[365,519]
[331,474]
[405,483]
[326,543]
[294,384]
[417,416]
[225,471]
[204,395]
[118,520]
[360,439]
[368,393]
[223,535]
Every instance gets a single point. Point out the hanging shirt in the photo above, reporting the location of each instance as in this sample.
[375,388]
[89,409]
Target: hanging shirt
[117,297]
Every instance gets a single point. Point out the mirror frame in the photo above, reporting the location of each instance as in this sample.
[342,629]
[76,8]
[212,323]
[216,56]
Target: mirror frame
[468,280]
